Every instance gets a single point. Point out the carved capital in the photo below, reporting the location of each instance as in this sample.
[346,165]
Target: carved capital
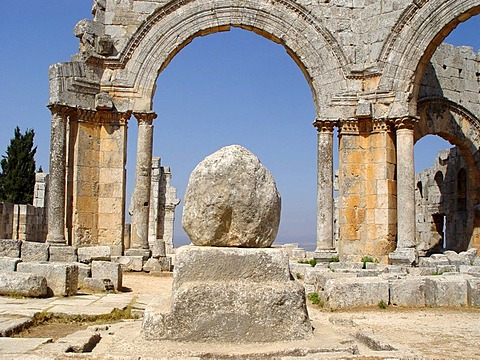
[145,118]
[407,123]
[60,110]
[113,117]
[382,125]
[349,126]
[324,126]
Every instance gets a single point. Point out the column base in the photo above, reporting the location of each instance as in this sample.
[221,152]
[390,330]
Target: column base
[56,240]
[406,257]
[144,253]
[325,255]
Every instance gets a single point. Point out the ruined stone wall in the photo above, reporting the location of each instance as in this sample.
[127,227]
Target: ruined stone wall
[23,222]
[442,204]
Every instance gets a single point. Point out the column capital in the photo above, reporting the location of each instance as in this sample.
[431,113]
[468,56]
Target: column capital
[407,122]
[350,126]
[145,117]
[61,110]
[324,126]
[382,125]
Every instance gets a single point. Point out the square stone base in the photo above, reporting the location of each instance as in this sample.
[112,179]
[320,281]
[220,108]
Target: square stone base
[405,257]
[231,295]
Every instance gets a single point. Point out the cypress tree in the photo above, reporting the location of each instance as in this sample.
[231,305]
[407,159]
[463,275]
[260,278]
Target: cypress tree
[17,177]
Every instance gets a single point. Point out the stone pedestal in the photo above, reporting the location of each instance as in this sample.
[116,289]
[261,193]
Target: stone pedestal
[231,295]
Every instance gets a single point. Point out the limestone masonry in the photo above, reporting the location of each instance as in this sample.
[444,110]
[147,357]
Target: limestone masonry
[379,75]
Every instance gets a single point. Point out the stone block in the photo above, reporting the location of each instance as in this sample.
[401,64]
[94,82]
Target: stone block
[157,265]
[299,269]
[322,278]
[466,269]
[233,295]
[66,254]
[311,275]
[299,254]
[455,259]
[441,269]
[408,292]
[34,251]
[22,284]
[422,271]
[473,292]
[108,270]
[143,253]
[404,257]
[347,265]
[97,285]
[8,264]
[355,292]
[469,256]
[84,271]
[230,264]
[446,290]
[62,279]
[98,253]
[129,263]
[10,248]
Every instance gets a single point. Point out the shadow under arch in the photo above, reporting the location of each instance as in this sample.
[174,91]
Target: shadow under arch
[454,123]
[165,33]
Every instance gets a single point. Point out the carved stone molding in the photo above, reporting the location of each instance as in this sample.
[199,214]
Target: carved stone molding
[145,118]
[351,126]
[381,125]
[324,125]
[407,122]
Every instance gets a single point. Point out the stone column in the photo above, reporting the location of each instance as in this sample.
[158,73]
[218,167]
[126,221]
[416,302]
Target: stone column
[140,206]
[56,198]
[325,246]
[405,252]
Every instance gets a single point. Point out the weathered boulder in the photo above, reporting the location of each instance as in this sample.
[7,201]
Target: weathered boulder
[231,200]
[22,284]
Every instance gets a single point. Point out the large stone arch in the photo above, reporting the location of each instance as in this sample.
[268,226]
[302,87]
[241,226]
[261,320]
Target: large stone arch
[406,53]
[454,123]
[170,28]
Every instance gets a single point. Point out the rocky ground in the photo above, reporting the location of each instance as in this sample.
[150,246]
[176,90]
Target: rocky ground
[429,333]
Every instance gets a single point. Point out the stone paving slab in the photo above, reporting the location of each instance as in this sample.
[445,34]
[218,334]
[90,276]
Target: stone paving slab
[9,325]
[15,346]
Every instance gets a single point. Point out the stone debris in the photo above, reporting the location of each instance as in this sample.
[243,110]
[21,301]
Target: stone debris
[23,284]
[62,278]
[103,270]
[231,200]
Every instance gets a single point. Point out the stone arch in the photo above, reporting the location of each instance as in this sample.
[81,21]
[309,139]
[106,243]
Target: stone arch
[452,122]
[172,27]
[413,40]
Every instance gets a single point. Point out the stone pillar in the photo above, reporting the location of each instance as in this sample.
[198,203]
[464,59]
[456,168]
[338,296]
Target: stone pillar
[405,252]
[140,206]
[325,245]
[56,198]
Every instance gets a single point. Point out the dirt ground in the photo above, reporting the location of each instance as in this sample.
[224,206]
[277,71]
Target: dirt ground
[427,333]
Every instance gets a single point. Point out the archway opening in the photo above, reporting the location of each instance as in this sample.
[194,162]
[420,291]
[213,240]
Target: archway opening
[237,87]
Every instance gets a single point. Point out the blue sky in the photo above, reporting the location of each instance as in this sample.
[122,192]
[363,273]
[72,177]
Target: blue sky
[226,88]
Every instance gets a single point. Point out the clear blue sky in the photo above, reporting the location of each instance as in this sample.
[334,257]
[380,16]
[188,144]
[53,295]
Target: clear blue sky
[228,88]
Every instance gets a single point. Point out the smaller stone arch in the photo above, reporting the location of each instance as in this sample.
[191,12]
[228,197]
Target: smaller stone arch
[439,116]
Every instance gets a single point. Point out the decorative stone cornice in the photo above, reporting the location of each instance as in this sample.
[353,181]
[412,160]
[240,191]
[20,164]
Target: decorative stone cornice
[145,118]
[325,126]
[407,122]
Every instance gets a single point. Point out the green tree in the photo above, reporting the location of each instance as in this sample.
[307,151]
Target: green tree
[17,177]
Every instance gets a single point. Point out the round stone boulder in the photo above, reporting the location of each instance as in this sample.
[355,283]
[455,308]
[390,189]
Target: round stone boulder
[231,200]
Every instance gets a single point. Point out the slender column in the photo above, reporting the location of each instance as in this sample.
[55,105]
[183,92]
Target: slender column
[140,207]
[405,191]
[325,245]
[56,197]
